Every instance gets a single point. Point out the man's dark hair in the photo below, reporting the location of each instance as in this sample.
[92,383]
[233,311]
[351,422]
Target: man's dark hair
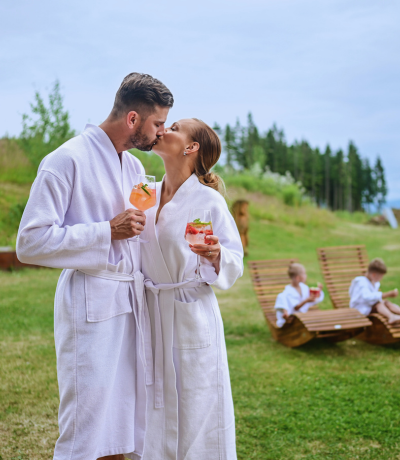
[141,92]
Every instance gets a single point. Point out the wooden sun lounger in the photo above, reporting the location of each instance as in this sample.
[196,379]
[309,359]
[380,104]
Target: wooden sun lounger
[339,266]
[269,279]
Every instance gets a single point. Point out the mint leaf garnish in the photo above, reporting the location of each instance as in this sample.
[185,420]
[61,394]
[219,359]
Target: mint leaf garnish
[143,187]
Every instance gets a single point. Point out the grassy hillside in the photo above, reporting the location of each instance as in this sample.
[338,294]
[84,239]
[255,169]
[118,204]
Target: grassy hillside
[318,402]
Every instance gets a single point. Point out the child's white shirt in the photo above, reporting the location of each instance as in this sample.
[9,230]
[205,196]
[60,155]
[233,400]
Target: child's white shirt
[364,294]
[289,298]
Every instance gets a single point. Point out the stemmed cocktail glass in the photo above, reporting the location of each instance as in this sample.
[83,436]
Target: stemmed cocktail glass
[199,226]
[143,195]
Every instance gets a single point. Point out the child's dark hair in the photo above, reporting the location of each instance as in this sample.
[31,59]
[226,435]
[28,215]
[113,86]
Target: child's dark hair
[377,266]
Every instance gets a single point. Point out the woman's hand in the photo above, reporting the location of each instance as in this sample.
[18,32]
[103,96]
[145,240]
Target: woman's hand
[210,251]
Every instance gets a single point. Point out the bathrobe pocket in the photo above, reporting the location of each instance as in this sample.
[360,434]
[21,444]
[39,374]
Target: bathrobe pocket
[191,329]
[105,298]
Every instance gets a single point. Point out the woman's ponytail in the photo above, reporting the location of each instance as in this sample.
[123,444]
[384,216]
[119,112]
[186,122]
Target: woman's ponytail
[208,155]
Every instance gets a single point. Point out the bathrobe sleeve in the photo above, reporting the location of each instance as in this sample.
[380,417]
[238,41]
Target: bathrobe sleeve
[231,259]
[44,240]
[318,299]
[280,306]
[281,302]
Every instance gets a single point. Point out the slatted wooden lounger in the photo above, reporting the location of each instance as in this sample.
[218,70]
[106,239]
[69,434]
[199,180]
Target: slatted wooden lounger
[339,266]
[269,279]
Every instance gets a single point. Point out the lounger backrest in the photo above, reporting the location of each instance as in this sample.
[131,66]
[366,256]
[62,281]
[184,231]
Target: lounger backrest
[339,266]
[269,278]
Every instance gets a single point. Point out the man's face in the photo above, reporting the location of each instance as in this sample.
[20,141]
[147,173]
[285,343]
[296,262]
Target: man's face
[150,129]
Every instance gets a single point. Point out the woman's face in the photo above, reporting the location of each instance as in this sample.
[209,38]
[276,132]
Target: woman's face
[175,140]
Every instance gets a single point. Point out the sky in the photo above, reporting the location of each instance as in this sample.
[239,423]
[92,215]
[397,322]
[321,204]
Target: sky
[325,71]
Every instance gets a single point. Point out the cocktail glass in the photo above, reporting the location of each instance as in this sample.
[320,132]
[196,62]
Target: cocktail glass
[198,227]
[315,291]
[143,195]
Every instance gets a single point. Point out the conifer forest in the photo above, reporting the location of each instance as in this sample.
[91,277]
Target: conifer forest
[338,180]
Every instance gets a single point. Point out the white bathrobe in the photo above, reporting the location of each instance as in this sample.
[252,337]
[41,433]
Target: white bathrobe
[364,294]
[190,408]
[289,298]
[99,320]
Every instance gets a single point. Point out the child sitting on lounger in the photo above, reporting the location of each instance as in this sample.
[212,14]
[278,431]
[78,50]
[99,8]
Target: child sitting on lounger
[366,297]
[296,296]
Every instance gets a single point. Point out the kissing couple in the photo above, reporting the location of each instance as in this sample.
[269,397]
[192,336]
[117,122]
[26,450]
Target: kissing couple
[141,358]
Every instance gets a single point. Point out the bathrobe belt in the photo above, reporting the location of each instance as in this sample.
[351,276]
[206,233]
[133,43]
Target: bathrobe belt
[142,316]
[159,351]
[143,322]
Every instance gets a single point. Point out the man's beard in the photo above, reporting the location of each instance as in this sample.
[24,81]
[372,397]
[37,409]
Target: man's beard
[140,141]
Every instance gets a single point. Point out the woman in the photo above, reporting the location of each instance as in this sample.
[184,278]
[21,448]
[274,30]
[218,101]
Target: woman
[190,408]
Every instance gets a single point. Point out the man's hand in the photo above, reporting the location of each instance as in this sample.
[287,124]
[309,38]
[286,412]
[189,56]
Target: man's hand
[127,224]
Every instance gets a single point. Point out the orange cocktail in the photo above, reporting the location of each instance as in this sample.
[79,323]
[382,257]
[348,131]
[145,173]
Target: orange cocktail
[143,197]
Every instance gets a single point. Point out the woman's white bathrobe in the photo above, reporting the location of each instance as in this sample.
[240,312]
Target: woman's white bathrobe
[190,408]
[99,323]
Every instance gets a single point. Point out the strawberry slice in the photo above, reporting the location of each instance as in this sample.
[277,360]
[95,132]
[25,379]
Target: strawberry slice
[208,232]
[191,229]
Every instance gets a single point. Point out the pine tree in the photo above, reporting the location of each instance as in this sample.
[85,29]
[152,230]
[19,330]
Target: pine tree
[368,185]
[327,176]
[339,181]
[380,183]
[230,146]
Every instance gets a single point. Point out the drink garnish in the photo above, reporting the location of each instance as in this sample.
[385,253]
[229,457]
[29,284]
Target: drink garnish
[143,187]
[199,222]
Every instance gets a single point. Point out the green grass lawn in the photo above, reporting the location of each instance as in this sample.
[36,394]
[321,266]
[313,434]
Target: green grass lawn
[319,402]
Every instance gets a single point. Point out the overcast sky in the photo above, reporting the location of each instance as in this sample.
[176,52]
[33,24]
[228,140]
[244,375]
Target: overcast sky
[325,71]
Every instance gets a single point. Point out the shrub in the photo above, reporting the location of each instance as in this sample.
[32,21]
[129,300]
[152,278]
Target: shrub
[15,214]
[291,195]
[151,162]
[14,165]
[268,183]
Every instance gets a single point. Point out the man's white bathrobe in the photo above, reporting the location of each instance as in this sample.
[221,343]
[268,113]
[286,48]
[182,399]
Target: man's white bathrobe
[190,408]
[99,319]
[364,294]
[290,297]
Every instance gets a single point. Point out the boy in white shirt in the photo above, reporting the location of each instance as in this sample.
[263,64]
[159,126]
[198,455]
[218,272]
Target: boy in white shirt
[296,295]
[366,297]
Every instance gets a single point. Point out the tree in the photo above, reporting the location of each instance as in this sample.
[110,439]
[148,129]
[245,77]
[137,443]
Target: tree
[230,146]
[47,129]
[336,179]
[327,176]
[380,184]
[368,185]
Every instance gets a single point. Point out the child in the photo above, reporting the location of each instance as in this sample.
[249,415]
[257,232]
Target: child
[296,295]
[366,297]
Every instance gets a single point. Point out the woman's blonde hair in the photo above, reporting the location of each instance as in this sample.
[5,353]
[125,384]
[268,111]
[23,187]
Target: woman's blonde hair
[208,155]
[295,269]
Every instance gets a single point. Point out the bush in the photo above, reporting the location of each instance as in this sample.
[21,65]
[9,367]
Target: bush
[15,214]
[271,184]
[291,195]
[14,165]
[151,162]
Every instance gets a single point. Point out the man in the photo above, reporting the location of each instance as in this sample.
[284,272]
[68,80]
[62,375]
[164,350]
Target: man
[78,217]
